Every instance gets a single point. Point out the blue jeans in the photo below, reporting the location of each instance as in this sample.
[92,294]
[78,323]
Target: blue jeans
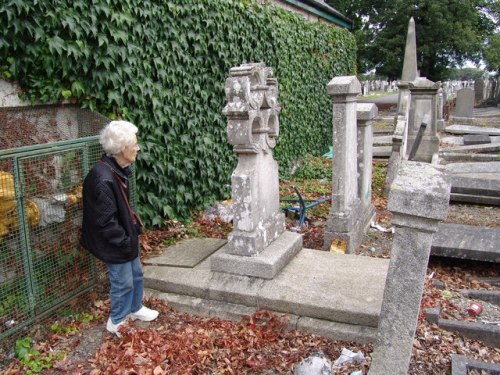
[127,285]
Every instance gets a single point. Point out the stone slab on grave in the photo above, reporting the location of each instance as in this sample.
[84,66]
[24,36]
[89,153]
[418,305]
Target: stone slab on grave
[466,157]
[476,168]
[468,129]
[475,199]
[476,139]
[485,148]
[467,242]
[487,333]
[267,264]
[187,253]
[480,184]
[460,365]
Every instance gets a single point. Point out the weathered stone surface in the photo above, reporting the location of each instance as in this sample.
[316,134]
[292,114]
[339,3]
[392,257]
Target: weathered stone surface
[423,109]
[492,296]
[252,112]
[487,333]
[460,365]
[467,242]
[317,286]
[350,214]
[475,168]
[476,139]
[465,103]
[322,285]
[187,253]
[466,129]
[410,60]
[266,265]
[419,190]
[418,199]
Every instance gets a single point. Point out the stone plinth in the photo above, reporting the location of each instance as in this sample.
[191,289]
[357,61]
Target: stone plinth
[418,200]
[423,108]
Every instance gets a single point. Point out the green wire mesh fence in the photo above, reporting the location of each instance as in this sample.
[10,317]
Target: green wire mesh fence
[45,153]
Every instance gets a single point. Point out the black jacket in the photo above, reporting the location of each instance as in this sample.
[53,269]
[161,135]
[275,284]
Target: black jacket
[108,228]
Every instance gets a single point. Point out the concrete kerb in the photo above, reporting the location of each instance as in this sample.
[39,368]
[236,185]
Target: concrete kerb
[487,333]
[460,365]
[317,286]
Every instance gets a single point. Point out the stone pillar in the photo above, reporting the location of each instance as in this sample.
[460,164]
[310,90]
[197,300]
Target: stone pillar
[418,200]
[440,110]
[253,126]
[423,108]
[366,112]
[347,221]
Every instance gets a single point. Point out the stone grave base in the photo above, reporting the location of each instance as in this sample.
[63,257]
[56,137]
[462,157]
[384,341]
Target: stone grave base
[344,235]
[264,265]
[333,295]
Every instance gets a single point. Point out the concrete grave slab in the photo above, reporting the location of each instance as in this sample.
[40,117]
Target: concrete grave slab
[187,253]
[382,151]
[476,168]
[492,296]
[476,139]
[266,265]
[469,129]
[486,183]
[475,199]
[491,147]
[460,365]
[382,140]
[323,285]
[467,242]
[317,286]
[467,157]
[487,333]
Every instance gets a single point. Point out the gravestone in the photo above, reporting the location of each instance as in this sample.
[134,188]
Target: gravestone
[465,106]
[418,200]
[348,219]
[423,108]
[253,125]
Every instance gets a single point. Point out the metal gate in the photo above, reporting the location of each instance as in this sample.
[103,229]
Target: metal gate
[41,263]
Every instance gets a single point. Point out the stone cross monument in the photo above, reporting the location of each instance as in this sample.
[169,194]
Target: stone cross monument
[252,112]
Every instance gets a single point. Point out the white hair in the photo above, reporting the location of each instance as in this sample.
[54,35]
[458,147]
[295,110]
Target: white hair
[116,136]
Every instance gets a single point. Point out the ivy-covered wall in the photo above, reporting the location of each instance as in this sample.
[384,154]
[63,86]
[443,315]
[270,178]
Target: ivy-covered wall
[163,65]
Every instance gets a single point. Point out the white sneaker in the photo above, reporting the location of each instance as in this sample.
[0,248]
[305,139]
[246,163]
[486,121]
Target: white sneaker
[115,328]
[145,314]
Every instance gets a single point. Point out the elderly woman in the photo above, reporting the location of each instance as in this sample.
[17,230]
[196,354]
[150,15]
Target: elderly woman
[110,228]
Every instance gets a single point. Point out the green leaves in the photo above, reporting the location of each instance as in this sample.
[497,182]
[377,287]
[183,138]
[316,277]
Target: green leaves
[163,65]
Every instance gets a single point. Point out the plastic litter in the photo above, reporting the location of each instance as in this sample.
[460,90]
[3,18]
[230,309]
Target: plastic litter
[381,228]
[329,154]
[347,356]
[224,210]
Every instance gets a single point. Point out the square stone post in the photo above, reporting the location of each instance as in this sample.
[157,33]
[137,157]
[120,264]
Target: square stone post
[347,221]
[366,112]
[258,246]
[418,200]
[423,108]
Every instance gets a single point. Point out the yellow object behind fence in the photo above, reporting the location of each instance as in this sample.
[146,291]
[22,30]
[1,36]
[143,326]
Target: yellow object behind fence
[8,212]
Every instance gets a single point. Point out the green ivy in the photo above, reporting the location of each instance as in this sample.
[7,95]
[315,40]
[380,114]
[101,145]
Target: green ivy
[163,65]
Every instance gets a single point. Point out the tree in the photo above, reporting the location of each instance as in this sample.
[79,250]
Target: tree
[448,33]
[492,53]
